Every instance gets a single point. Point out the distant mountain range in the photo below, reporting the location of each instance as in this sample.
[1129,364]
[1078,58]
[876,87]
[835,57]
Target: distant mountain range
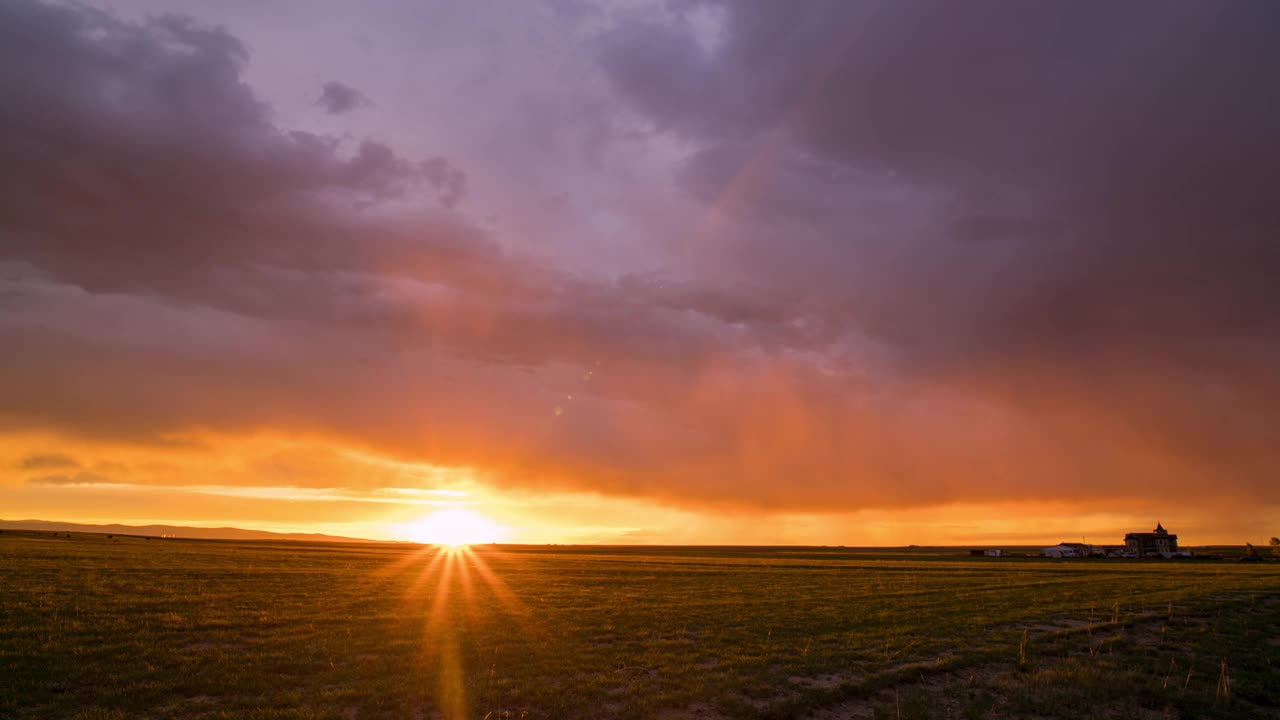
[175,531]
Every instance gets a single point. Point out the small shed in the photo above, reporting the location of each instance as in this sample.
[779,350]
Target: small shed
[1068,550]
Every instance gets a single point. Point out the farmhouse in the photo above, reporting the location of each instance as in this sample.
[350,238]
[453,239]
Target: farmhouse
[1068,550]
[1158,543]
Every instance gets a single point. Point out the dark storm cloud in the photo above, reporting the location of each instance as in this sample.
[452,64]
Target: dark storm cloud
[173,166]
[1119,160]
[1119,156]
[1065,209]
[337,98]
[137,161]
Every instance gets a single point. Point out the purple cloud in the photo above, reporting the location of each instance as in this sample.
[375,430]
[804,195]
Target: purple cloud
[337,98]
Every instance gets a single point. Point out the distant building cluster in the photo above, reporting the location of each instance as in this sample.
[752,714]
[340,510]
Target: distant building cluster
[1158,543]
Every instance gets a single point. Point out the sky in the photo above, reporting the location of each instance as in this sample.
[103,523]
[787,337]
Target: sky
[644,271]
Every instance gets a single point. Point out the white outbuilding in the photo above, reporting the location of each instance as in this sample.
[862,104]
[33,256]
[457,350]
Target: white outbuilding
[1068,550]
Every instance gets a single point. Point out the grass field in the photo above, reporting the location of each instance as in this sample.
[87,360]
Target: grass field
[124,627]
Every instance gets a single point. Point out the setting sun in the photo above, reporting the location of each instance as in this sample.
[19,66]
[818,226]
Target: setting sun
[454,528]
